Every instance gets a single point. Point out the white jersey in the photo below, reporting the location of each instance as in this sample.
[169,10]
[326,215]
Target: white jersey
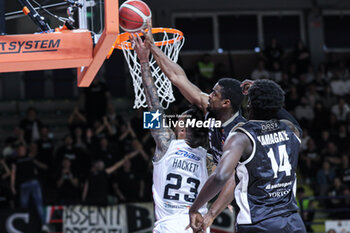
[177,179]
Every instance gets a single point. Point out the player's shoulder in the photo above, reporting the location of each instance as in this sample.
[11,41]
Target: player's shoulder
[291,126]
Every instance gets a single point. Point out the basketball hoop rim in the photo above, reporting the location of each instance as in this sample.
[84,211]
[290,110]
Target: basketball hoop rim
[124,37]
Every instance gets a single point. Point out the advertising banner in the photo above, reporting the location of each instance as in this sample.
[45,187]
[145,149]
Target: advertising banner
[93,219]
[340,226]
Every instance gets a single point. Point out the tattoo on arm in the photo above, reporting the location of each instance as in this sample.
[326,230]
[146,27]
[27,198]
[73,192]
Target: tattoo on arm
[162,136]
[210,163]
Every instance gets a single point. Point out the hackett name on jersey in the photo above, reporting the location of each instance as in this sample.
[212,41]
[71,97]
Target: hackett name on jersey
[185,165]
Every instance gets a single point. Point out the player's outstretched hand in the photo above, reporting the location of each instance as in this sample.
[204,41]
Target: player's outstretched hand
[196,221]
[140,48]
[149,40]
[246,84]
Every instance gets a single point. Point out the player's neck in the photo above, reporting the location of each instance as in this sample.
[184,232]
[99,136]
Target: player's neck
[225,116]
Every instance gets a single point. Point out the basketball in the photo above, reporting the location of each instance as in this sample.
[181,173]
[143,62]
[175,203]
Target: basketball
[133,15]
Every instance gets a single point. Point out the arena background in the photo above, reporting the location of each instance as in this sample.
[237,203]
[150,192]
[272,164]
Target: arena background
[223,39]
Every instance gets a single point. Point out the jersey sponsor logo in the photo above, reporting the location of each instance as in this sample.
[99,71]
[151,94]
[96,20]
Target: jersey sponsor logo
[281,193]
[172,206]
[29,46]
[273,138]
[269,126]
[279,185]
[152,120]
[187,154]
[185,165]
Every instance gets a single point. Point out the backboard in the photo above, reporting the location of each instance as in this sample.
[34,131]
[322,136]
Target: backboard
[91,17]
[66,48]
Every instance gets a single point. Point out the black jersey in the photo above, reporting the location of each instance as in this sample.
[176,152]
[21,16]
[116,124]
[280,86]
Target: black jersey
[267,179]
[217,136]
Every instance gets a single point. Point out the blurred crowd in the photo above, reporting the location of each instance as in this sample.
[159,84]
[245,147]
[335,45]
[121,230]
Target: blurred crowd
[105,157]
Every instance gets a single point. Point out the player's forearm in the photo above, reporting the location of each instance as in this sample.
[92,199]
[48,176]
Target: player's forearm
[163,135]
[152,98]
[225,198]
[178,78]
[172,70]
[208,192]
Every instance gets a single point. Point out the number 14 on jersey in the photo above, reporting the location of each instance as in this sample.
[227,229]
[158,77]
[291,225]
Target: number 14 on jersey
[284,165]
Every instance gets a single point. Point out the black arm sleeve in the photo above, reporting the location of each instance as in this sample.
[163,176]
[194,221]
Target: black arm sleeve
[283,114]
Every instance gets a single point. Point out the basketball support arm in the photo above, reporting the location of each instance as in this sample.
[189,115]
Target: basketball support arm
[29,10]
[60,50]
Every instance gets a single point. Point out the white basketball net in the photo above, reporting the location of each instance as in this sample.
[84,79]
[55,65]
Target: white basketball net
[163,84]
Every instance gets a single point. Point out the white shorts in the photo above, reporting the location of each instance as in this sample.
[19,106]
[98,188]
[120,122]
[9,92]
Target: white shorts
[175,224]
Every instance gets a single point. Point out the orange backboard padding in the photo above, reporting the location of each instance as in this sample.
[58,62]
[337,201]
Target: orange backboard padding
[104,44]
[65,49]
[45,51]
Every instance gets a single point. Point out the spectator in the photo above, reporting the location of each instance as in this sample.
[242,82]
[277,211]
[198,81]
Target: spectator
[67,151]
[105,153]
[338,86]
[103,128]
[325,178]
[293,74]
[276,72]
[343,70]
[78,139]
[95,190]
[301,57]
[95,99]
[347,122]
[331,154]
[345,169]
[286,82]
[24,179]
[320,83]
[321,116]
[309,75]
[328,98]
[310,161]
[129,183]
[272,53]
[336,190]
[260,72]
[45,148]
[345,204]
[333,125]
[341,109]
[307,207]
[343,138]
[5,191]
[292,99]
[8,150]
[67,184]
[112,117]
[304,112]
[324,138]
[76,119]
[206,70]
[31,126]
[312,95]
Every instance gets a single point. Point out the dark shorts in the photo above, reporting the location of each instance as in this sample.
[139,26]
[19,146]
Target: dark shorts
[279,224]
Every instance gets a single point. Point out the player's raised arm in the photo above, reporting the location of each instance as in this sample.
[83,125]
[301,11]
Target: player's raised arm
[176,74]
[162,136]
